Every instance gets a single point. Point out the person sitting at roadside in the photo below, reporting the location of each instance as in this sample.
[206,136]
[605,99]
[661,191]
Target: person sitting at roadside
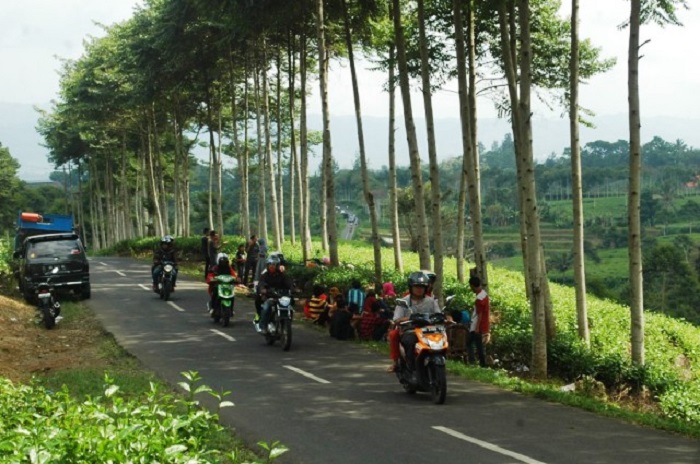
[316,307]
[356,296]
[372,325]
[341,322]
[333,294]
[370,299]
[388,290]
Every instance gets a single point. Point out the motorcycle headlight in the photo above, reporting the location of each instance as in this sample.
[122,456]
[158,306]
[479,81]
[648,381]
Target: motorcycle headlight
[285,301]
[168,268]
[436,345]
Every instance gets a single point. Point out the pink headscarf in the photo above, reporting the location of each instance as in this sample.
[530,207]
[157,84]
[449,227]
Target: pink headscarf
[388,290]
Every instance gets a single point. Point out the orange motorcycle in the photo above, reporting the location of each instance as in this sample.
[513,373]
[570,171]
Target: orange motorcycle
[430,352]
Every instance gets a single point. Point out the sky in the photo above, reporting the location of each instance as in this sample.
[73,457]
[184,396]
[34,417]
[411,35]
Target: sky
[36,35]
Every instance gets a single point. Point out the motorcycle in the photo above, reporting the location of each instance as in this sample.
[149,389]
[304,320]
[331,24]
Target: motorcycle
[48,307]
[280,325]
[165,282]
[428,374]
[221,309]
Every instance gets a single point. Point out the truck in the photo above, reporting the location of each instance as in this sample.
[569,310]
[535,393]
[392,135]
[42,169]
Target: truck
[29,224]
[48,249]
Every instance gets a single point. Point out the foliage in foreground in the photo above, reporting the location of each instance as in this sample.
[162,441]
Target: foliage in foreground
[40,426]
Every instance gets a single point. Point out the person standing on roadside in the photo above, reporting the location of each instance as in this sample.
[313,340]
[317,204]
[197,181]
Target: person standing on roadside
[214,246]
[240,261]
[251,263]
[205,251]
[479,330]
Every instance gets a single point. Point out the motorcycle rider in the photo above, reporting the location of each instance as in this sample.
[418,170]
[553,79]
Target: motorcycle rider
[165,252]
[271,280]
[222,267]
[416,302]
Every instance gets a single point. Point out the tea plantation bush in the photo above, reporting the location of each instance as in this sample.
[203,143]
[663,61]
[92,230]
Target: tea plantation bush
[40,426]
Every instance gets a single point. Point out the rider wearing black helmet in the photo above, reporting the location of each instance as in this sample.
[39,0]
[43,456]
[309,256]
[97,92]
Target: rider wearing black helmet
[164,252]
[416,302]
[272,279]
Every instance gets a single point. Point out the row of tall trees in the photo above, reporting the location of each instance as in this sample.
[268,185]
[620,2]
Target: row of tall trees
[225,73]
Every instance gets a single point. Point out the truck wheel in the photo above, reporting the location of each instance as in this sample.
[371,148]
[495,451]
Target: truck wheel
[85,292]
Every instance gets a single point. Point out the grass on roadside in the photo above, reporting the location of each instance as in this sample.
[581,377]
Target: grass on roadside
[133,379]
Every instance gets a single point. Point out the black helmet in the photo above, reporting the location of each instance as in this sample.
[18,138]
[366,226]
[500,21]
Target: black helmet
[430,275]
[222,258]
[418,278]
[167,239]
[272,260]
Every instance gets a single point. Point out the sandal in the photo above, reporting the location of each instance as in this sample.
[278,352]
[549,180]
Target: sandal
[392,368]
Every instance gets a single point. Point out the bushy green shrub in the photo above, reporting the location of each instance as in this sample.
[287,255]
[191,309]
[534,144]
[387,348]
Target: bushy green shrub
[37,425]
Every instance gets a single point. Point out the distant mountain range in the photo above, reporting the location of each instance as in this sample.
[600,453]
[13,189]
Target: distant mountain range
[18,133]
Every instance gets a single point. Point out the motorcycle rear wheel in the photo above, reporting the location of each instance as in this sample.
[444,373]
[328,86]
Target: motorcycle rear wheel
[48,318]
[438,389]
[286,334]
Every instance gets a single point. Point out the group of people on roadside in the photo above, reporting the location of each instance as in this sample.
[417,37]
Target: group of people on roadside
[248,263]
[366,314]
[359,313]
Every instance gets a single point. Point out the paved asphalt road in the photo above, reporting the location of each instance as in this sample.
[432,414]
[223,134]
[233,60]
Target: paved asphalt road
[332,402]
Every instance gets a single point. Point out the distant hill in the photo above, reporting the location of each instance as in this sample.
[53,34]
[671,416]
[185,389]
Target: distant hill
[18,133]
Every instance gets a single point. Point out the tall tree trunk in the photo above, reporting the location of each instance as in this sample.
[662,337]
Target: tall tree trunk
[304,179]
[537,293]
[294,168]
[152,185]
[262,207]
[576,181]
[242,230]
[460,52]
[535,278]
[268,152]
[633,201]
[432,155]
[475,185]
[369,197]
[393,203]
[245,158]
[219,171]
[416,172]
[278,140]
[329,181]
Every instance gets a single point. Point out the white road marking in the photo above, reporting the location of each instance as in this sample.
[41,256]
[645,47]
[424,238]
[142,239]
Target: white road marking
[146,287]
[120,273]
[176,306]
[226,336]
[488,446]
[104,264]
[306,374]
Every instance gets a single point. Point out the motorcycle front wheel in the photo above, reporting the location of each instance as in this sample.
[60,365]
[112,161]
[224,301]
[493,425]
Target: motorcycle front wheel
[286,334]
[166,290]
[438,388]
